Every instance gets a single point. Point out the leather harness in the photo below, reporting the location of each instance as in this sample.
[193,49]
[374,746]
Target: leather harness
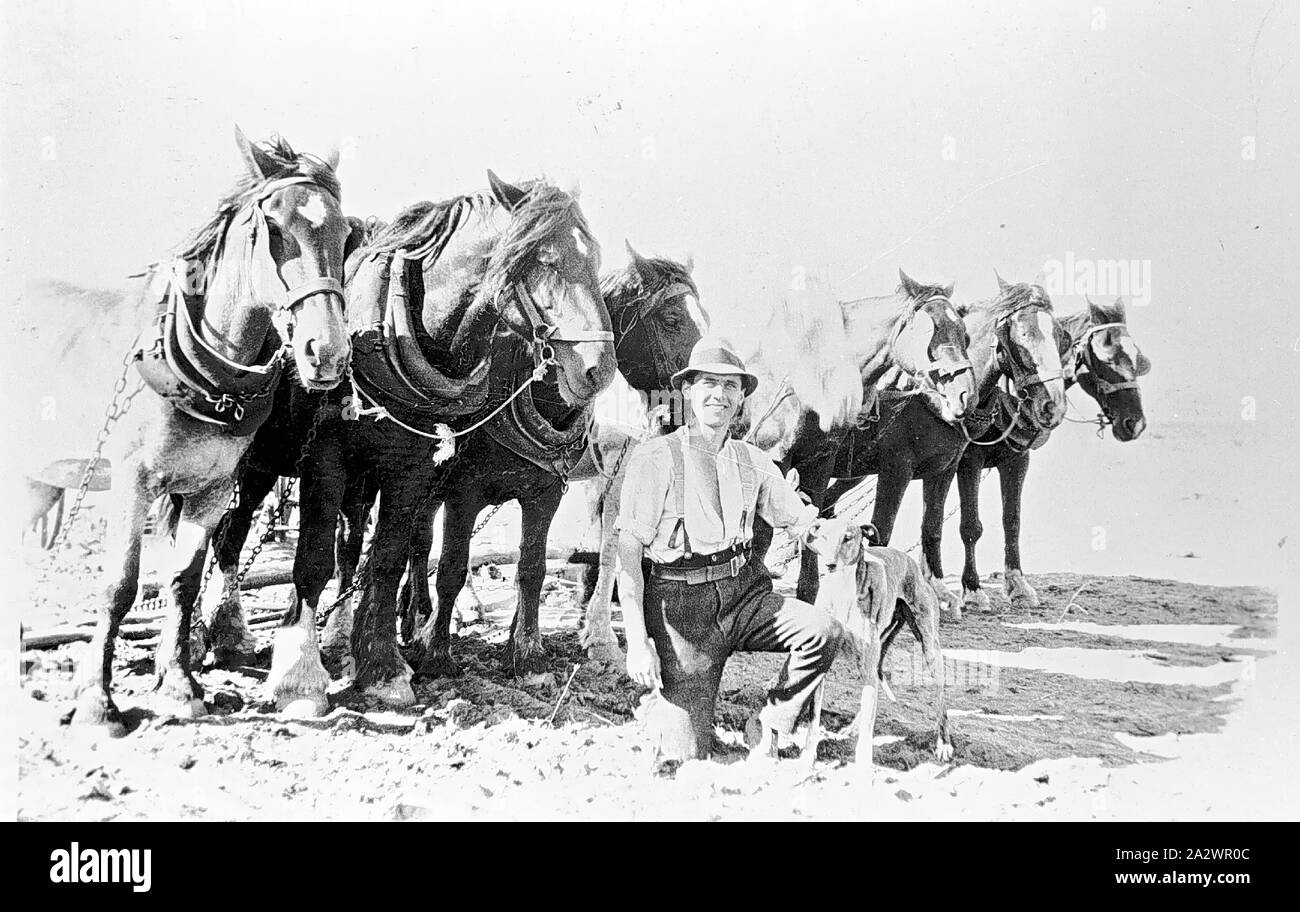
[184,369]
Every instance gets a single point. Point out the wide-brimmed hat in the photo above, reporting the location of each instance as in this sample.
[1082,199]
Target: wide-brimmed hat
[713,355]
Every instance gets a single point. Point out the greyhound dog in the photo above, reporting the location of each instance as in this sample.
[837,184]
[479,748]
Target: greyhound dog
[872,592]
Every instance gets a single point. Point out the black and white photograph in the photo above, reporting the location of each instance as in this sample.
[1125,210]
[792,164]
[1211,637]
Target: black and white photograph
[858,410]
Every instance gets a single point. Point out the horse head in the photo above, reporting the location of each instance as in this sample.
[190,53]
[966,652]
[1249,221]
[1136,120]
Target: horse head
[1024,350]
[546,266]
[655,308]
[285,224]
[1107,363]
[931,343]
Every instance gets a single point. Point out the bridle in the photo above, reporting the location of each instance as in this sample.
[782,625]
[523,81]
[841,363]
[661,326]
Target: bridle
[949,367]
[629,317]
[285,315]
[1022,374]
[1018,373]
[1082,359]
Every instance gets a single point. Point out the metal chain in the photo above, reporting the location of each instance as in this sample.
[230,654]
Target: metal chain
[111,415]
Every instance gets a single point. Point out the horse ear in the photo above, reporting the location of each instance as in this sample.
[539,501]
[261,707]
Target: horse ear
[869,534]
[690,264]
[1098,314]
[1118,307]
[638,261]
[332,157]
[909,285]
[507,195]
[1002,283]
[259,164]
[962,309]
[1143,365]
[947,292]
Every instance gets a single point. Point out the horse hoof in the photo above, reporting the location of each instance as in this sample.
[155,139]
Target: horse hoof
[976,600]
[235,657]
[943,752]
[186,707]
[607,653]
[439,666]
[951,614]
[339,664]
[98,716]
[1025,600]
[302,706]
[396,693]
[526,663]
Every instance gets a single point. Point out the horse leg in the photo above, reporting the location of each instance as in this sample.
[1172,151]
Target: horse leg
[813,479]
[95,706]
[891,484]
[968,489]
[336,640]
[1011,473]
[458,514]
[382,673]
[525,653]
[598,623]
[935,489]
[298,680]
[221,625]
[413,597]
[176,688]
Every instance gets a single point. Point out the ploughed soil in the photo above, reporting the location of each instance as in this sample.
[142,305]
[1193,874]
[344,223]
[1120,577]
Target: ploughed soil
[565,743]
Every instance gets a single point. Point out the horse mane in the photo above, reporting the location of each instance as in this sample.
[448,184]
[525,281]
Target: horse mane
[1013,298]
[415,225]
[633,283]
[542,211]
[202,244]
[1076,324]
[815,356]
[927,292]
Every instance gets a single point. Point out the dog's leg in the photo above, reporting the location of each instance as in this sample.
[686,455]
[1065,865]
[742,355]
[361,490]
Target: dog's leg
[927,628]
[867,714]
[814,737]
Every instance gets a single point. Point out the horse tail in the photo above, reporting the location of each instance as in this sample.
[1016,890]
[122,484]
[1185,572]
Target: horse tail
[169,514]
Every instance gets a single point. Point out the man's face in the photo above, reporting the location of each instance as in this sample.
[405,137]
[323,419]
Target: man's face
[714,398]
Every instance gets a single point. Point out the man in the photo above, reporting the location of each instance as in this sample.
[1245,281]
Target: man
[690,593]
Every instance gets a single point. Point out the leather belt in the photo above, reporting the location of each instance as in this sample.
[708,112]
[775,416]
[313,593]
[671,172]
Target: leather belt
[705,568]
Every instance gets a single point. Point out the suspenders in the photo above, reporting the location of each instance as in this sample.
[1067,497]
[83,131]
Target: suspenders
[748,489]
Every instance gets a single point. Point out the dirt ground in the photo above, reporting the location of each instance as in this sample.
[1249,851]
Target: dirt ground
[1040,728]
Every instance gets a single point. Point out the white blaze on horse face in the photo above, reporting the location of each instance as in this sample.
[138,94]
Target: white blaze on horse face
[920,336]
[314,210]
[697,313]
[580,243]
[1051,358]
[1129,347]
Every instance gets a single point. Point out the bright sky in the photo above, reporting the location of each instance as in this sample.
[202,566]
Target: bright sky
[845,140]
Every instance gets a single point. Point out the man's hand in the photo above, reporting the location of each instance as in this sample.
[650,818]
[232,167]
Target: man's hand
[643,663]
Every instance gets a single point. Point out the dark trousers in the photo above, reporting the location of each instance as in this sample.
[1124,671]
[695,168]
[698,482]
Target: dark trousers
[696,627]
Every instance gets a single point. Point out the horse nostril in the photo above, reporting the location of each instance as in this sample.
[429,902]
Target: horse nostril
[311,350]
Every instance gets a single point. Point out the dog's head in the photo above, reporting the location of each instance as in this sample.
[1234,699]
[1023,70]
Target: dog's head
[839,541]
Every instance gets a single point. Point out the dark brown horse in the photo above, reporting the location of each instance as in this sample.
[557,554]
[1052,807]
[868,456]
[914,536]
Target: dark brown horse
[1100,356]
[654,330]
[813,386]
[1013,340]
[437,303]
[209,367]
